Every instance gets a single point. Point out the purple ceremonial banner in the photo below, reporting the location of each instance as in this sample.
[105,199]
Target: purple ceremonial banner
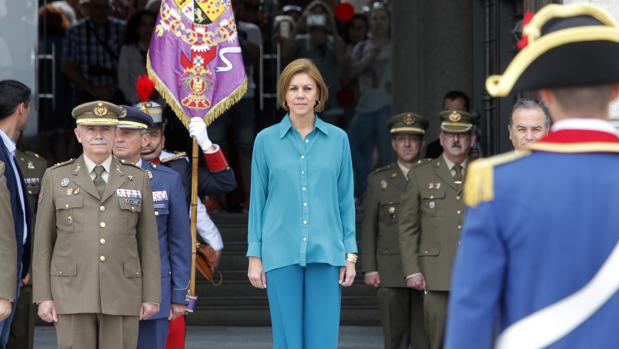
[195,58]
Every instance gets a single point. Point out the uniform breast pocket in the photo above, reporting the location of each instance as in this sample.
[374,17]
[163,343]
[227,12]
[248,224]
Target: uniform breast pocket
[432,200]
[389,212]
[66,210]
[130,209]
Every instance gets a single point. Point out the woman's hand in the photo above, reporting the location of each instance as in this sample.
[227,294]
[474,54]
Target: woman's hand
[347,274]
[255,273]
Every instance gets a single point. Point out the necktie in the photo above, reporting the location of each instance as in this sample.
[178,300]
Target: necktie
[98,181]
[457,174]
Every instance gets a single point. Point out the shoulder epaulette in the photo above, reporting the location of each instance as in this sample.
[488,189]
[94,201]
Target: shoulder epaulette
[60,164]
[479,185]
[381,169]
[177,155]
[129,164]
[31,153]
[422,162]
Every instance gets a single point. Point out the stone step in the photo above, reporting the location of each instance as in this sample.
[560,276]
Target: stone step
[242,288]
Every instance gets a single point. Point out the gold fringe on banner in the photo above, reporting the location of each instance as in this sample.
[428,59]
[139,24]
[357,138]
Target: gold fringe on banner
[213,113]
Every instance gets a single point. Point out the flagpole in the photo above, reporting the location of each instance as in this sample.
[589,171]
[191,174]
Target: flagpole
[194,214]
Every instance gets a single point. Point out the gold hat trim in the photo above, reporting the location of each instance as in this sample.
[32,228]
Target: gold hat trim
[463,127]
[131,124]
[407,129]
[588,147]
[97,122]
[501,85]
[534,28]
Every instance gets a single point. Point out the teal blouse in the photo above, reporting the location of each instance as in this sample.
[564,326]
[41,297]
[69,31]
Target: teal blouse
[301,204]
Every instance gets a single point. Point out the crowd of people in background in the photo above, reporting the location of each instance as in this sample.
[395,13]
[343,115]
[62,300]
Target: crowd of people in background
[100,48]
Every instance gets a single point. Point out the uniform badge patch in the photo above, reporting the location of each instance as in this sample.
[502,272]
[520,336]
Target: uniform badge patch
[64,182]
[32,181]
[383,184]
[30,165]
[161,195]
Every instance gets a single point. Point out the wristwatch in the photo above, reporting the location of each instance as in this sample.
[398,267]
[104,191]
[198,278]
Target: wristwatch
[351,257]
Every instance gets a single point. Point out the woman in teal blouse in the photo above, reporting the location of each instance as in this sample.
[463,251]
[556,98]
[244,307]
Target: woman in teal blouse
[302,242]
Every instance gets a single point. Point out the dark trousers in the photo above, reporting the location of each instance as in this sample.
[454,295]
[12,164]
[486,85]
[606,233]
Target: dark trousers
[401,314]
[153,334]
[22,327]
[435,316]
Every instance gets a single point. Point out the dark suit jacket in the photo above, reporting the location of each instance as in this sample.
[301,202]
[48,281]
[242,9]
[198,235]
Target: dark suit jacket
[12,179]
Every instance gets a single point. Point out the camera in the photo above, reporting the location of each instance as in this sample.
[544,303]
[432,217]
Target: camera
[316,20]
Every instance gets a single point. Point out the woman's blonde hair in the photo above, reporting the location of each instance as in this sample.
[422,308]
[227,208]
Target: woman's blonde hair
[299,66]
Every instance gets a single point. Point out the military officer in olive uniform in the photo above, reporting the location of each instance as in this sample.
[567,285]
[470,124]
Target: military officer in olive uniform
[401,308]
[8,250]
[431,218]
[32,167]
[96,253]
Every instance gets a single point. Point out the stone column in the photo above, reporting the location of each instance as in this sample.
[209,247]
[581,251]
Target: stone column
[433,53]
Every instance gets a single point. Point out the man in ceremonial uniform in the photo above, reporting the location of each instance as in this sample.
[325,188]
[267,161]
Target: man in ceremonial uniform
[401,308]
[540,248]
[96,269]
[432,212]
[172,223]
[218,179]
[32,167]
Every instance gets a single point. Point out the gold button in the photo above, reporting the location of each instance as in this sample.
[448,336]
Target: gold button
[458,197]
[102,224]
[132,208]
[102,241]
[459,212]
[101,208]
[102,258]
[426,251]
[137,273]
[431,197]
[459,227]
[29,191]
[60,272]
[156,213]
[70,219]
[66,205]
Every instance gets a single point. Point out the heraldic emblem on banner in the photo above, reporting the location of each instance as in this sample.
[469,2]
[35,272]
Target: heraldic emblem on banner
[195,58]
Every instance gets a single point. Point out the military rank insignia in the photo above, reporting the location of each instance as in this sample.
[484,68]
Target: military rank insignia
[128,193]
[32,181]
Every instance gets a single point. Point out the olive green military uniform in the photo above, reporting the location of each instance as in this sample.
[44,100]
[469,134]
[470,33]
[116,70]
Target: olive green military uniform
[32,167]
[8,244]
[96,255]
[432,213]
[401,308]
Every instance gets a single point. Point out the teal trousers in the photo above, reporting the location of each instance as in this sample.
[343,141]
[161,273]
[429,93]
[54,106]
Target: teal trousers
[304,303]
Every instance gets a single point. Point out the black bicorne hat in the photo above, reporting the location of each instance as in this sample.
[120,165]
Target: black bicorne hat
[567,46]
